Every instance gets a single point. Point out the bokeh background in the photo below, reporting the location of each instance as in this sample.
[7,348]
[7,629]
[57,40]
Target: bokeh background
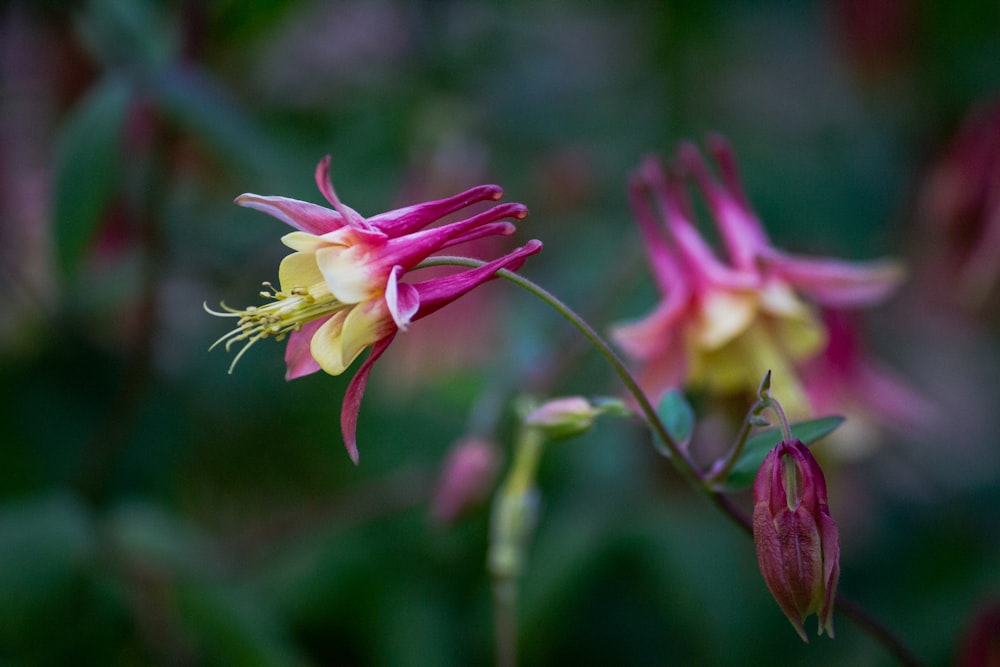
[156,510]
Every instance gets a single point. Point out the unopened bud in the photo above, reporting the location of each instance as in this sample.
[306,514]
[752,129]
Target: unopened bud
[563,418]
[467,477]
[798,547]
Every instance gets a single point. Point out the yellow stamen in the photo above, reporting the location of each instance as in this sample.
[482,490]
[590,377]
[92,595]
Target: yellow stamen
[287,312]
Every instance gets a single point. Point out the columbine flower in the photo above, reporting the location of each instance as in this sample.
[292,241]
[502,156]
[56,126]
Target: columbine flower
[961,207]
[341,290]
[798,548]
[721,326]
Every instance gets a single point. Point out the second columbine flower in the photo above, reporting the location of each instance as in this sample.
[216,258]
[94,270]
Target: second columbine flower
[724,322]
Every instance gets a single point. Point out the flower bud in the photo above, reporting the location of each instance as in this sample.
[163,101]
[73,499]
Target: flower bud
[798,548]
[566,417]
[467,477]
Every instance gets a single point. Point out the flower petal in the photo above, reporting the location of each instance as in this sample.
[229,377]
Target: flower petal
[352,399]
[349,216]
[299,270]
[439,292]
[351,274]
[298,353]
[642,339]
[325,345]
[741,232]
[301,215]
[409,219]
[366,323]
[832,282]
[723,315]
[402,299]
[410,250]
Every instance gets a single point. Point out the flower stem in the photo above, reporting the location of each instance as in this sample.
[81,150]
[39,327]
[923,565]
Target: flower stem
[864,620]
[666,445]
[720,472]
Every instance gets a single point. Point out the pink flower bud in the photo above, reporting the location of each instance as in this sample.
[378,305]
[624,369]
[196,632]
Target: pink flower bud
[467,478]
[797,543]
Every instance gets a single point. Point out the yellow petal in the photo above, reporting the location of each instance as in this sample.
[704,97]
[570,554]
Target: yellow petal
[365,324]
[347,275]
[303,241]
[724,315]
[326,347]
[300,270]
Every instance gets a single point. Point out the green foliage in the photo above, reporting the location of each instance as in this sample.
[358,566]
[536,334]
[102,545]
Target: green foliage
[757,446]
[677,416]
[89,162]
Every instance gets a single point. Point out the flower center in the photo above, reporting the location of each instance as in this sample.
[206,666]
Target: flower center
[287,312]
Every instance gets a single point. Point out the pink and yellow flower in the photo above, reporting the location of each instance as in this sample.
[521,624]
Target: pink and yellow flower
[341,291]
[721,325]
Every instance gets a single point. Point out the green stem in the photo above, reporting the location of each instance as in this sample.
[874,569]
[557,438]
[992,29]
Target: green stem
[669,447]
[719,474]
[511,524]
[684,466]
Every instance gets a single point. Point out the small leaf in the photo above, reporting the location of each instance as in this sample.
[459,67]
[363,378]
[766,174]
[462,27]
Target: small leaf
[757,447]
[88,166]
[677,416]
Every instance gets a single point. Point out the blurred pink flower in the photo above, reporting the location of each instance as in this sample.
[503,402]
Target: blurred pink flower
[721,326]
[341,291]
[467,477]
[845,378]
[961,207]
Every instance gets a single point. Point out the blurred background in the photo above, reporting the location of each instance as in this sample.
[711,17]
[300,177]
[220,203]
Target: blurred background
[156,510]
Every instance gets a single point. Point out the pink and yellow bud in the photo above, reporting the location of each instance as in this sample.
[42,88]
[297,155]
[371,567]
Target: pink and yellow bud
[798,547]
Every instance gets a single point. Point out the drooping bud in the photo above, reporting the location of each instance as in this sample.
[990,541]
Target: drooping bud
[798,547]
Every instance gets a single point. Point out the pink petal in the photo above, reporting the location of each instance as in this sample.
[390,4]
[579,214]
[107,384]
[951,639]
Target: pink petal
[642,339]
[491,229]
[301,215]
[742,233]
[697,253]
[665,265]
[407,220]
[352,399]
[463,230]
[838,283]
[350,216]
[402,299]
[439,292]
[298,358]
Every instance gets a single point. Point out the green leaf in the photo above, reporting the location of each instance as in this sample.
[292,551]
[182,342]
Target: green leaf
[757,447]
[201,106]
[677,416]
[88,167]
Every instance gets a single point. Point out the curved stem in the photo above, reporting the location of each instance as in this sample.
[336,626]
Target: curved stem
[669,447]
[851,609]
[863,619]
